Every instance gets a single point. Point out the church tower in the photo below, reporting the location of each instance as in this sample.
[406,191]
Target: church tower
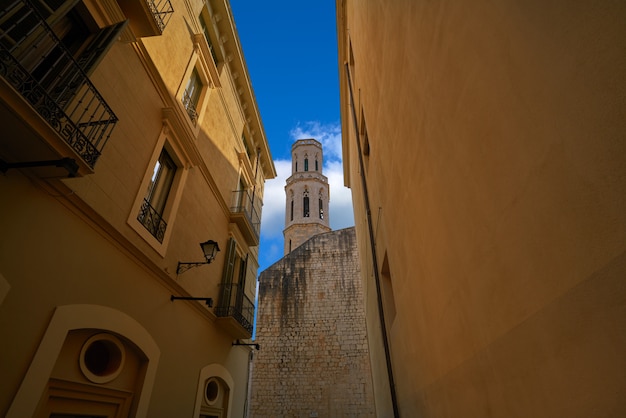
[307,195]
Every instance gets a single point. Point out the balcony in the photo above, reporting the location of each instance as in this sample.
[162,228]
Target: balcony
[147,17]
[235,311]
[190,107]
[49,109]
[246,214]
[152,221]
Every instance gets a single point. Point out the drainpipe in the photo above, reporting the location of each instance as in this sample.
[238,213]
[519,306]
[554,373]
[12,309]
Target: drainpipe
[379,299]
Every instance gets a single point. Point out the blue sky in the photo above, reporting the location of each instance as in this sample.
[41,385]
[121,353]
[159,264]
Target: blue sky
[291,53]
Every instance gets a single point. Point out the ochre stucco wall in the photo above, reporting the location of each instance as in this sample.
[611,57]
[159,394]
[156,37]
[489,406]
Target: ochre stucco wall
[497,180]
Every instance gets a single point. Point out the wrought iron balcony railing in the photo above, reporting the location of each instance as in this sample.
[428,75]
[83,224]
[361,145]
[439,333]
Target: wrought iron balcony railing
[161,11]
[234,303]
[250,207]
[152,220]
[190,107]
[36,63]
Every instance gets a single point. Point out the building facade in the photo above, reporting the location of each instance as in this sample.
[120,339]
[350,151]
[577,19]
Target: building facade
[484,146]
[131,136]
[308,195]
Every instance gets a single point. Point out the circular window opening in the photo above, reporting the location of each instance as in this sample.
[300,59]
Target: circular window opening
[102,358]
[212,391]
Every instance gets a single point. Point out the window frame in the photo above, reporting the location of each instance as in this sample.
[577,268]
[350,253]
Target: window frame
[321,208]
[191,95]
[195,68]
[205,21]
[166,141]
[306,212]
[203,65]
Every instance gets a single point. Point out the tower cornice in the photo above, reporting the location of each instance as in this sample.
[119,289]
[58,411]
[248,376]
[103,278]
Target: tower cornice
[307,141]
[307,175]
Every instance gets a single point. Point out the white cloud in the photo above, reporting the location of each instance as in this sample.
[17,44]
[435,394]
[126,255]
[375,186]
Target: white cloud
[273,218]
[341,213]
[328,134]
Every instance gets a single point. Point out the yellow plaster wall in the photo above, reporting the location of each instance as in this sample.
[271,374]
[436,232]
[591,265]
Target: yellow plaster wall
[73,242]
[497,162]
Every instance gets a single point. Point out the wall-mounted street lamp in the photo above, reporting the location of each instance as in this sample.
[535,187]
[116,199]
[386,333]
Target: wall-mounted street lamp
[209,248]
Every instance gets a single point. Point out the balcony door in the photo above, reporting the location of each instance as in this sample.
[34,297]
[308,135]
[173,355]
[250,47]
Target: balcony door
[48,38]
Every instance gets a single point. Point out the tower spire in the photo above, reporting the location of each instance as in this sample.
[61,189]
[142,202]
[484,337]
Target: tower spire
[307,195]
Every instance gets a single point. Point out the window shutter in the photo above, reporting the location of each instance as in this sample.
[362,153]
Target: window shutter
[241,286]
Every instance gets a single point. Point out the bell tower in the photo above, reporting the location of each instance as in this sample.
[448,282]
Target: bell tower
[307,195]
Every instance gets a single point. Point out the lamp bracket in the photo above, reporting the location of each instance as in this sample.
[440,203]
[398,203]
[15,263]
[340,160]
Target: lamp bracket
[208,301]
[255,345]
[67,163]
[183,267]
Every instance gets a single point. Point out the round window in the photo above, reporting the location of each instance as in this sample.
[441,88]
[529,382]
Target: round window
[102,358]
[212,391]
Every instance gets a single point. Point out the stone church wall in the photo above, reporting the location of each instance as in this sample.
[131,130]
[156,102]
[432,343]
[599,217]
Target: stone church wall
[313,360]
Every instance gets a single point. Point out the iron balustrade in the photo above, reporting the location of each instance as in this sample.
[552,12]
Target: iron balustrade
[190,106]
[35,62]
[249,206]
[234,303]
[161,11]
[152,220]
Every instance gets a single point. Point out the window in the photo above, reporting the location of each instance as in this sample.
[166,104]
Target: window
[316,165]
[207,36]
[49,50]
[240,194]
[191,95]
[305,205]
[72,23]
[151,213]
[233,300]
[159,194]
[213,395]
[292,209]
[306,163]
[247,147]
[321,207]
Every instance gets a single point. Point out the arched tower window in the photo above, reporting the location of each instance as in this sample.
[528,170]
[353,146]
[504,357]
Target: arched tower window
[321,203]
[317,168]
[292,209]
[305,204]
[306,163]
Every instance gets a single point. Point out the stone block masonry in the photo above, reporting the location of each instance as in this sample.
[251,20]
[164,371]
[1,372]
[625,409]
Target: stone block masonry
[314,358]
